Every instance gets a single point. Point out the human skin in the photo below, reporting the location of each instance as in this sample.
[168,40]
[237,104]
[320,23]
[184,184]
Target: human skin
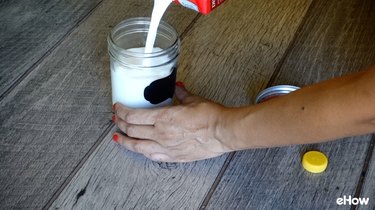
[198,129]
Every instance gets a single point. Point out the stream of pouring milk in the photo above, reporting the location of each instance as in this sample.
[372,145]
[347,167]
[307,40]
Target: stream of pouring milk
[157,13]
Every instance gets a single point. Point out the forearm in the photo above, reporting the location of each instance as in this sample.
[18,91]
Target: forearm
[329,110]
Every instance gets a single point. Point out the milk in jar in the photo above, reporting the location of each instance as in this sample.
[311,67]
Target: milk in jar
[143,79]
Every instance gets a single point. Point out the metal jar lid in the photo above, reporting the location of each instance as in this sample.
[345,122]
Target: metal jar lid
[274,91]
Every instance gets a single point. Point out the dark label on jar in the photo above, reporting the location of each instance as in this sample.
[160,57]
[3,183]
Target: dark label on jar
[161,89]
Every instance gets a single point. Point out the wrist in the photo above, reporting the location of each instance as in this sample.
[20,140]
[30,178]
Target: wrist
[233,128]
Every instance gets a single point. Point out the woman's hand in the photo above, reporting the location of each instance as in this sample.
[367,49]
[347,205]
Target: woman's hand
[186,132]
[199,129]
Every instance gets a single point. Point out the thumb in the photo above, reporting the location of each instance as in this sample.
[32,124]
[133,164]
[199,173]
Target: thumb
[182,95]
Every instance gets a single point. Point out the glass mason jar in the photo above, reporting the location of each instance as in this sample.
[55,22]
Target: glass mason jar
[139,79]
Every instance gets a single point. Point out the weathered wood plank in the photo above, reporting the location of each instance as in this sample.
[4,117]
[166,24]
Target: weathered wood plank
[239,48]
[368,189]
[29,29]
[57,113]
[114,178]
[210,51]
[337,38]
[275,179]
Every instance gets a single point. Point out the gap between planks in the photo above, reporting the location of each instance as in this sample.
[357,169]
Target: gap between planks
[47,53]
[272,79]
[217,181]
[365,168]
[291,44]
[190,26]
[79,165]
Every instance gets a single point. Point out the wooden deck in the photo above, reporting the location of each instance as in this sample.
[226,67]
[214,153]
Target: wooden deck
[56,150]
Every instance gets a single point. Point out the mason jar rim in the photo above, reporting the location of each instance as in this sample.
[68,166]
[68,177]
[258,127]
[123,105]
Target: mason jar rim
[147,21]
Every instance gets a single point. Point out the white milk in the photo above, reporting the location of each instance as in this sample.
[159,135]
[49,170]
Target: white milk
[157,13]
[128,84]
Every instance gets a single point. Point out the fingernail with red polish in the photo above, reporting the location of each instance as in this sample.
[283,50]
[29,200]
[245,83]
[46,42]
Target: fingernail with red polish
[180,84]
[113,118]
[115,137]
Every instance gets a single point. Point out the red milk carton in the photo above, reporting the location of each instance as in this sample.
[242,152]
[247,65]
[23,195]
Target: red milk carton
[202,6]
